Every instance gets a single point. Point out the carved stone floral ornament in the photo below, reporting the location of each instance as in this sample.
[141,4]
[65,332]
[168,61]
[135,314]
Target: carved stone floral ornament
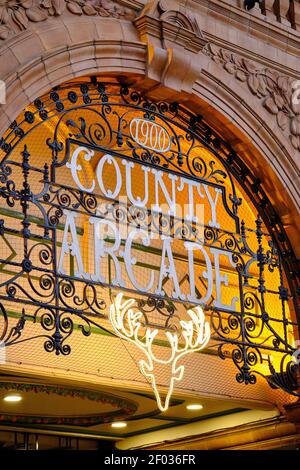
[15,15]
[276,91]
[87,7]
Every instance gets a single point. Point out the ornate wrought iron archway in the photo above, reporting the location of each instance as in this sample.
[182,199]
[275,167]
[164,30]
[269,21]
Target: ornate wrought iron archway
[35,192]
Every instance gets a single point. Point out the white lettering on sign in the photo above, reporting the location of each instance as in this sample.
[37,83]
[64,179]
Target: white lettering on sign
[113,177]
[109,165]
[75,168]
[150,135]
[109,245]
[72,247]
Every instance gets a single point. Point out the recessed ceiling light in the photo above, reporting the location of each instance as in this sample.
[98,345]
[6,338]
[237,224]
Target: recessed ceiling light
[12,398]
[118,424]
[194,406]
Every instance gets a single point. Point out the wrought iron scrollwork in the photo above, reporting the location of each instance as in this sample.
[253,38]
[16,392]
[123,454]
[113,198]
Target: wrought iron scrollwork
[97,116]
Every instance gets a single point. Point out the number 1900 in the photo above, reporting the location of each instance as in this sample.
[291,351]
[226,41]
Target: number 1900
[150,135]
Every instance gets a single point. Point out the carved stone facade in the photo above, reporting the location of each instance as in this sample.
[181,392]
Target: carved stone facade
[275,91]
[16,15]
[238,68]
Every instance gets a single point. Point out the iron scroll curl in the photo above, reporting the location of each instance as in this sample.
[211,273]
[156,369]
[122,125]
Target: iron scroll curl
[98,117]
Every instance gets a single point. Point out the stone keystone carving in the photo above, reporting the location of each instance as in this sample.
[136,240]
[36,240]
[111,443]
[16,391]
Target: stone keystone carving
[276,91]
[16,15]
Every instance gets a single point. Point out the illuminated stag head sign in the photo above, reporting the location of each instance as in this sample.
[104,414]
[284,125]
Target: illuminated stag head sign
[127,325]
[141,220]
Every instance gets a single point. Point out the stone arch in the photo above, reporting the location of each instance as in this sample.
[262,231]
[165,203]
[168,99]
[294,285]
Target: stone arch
[62,49]
[58,104]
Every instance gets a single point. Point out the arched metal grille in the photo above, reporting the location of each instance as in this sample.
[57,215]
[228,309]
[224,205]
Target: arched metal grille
[35,194]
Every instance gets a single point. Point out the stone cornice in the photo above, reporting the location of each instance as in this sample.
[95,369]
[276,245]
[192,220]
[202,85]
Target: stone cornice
[279,31]
[167,31]
[266,31]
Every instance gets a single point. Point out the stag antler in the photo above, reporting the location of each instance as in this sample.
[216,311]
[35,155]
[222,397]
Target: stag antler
[126,324]
[196,333]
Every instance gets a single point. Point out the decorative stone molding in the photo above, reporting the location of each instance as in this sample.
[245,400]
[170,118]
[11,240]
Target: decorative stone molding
[276,91]
[172,12]
[174,41]
[16,15]
[169,21]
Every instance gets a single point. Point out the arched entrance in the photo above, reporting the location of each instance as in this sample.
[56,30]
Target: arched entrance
[106,191]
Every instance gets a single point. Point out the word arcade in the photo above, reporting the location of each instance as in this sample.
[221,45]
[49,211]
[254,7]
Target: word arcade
[116,248]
